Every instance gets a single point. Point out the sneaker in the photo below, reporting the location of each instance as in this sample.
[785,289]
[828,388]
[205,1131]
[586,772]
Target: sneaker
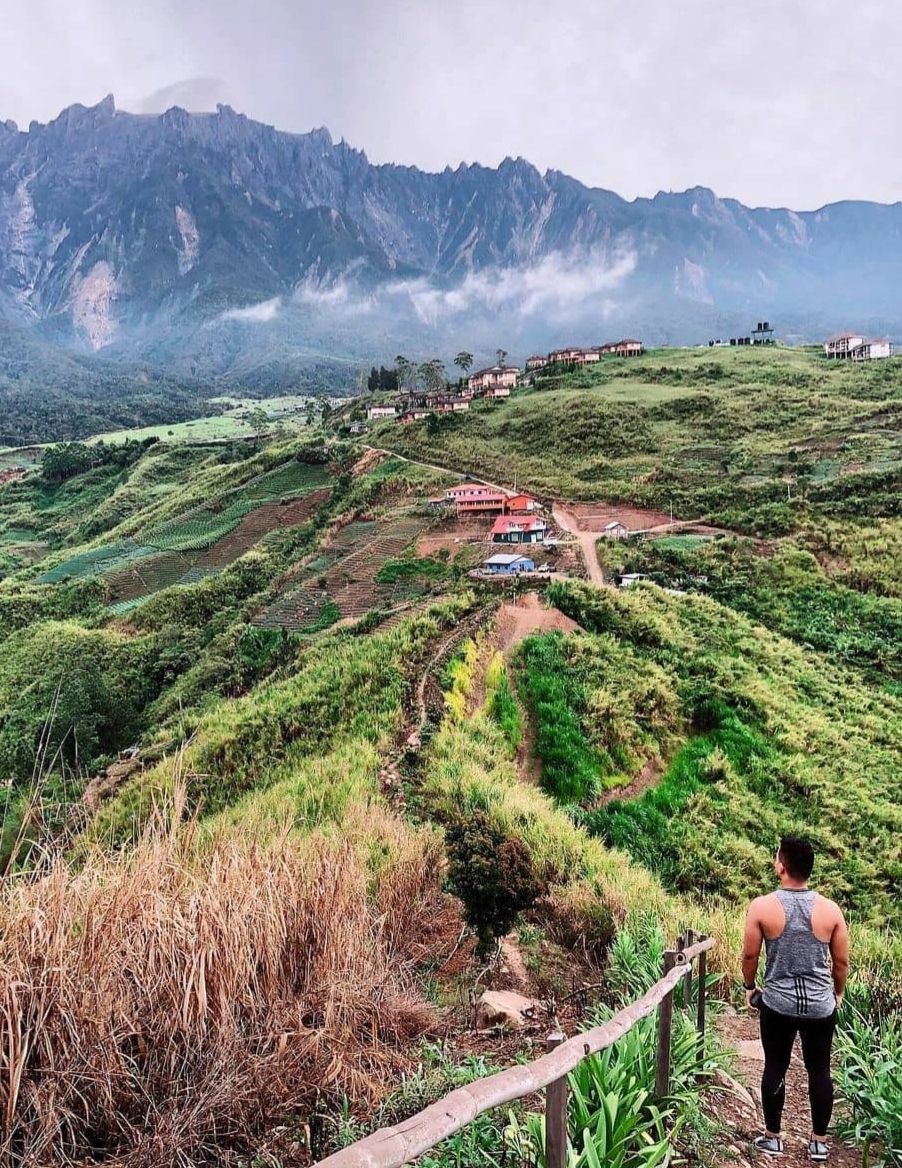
[817,1151]
[770,1145]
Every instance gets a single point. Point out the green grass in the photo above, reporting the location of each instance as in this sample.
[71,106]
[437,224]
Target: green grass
[711,431]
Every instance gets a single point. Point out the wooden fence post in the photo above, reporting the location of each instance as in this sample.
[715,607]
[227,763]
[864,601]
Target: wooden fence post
[691,938]
[665,1022]
[556,1114]
[700,1016]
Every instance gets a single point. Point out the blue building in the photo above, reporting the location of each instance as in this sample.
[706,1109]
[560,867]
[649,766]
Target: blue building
[508,564]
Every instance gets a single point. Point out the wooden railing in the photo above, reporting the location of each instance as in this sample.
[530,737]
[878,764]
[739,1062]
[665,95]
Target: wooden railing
[391,1147]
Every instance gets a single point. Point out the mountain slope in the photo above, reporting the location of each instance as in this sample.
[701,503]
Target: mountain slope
[169,235]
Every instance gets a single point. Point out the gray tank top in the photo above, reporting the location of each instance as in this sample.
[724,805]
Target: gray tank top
[797,978]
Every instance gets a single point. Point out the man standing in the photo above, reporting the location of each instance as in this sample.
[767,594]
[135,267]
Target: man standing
[802,989]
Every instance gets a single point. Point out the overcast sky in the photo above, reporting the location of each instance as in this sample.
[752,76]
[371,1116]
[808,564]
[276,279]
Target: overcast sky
[775,102]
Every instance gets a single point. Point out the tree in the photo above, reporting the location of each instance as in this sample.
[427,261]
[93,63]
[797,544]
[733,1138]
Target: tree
[501,356]
[258,420]
[403,367]
[433,374]
[372,382]
[464,362]
[492,873]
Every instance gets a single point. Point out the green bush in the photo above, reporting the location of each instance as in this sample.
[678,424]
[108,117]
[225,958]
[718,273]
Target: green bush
[492,874]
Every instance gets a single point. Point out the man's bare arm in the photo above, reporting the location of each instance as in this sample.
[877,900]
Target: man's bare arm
[751,945]
[839,953]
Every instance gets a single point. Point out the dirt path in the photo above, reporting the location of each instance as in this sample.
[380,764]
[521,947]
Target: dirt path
[740,1031]
[568,522]
[648,777]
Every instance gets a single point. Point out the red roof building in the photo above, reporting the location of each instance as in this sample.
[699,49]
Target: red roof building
[519,529]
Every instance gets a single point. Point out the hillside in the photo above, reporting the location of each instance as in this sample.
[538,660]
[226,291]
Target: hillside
[254,699]
[214,246]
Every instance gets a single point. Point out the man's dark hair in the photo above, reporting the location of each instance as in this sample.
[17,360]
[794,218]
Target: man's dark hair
[797,855]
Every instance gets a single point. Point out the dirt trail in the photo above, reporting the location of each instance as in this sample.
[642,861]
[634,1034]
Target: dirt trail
[648,777]
[568,522]
[741,1115]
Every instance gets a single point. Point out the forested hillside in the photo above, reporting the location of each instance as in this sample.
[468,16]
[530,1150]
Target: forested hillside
[260,728]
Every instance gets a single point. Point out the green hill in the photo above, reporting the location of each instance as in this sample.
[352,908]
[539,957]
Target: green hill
[258,725]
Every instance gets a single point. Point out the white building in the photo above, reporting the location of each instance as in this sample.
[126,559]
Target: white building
[374,413]
[872,350]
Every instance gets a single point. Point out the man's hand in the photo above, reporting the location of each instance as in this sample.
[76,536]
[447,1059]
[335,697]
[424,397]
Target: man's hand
[748,998]
[839,998]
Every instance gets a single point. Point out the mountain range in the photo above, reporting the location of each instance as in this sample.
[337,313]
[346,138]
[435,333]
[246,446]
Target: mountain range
[214,246]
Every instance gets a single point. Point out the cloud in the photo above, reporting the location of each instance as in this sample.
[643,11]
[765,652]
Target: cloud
[258,313]
[553,286]
[199,94]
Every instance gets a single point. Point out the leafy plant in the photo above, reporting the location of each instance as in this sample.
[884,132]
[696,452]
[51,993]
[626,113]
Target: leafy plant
[492,874]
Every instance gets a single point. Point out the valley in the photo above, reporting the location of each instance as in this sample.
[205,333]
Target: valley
[262,719]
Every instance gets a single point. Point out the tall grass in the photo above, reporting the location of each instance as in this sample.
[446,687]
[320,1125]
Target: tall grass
[164,1006]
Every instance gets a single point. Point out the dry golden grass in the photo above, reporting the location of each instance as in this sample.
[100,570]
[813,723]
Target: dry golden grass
[163,1007]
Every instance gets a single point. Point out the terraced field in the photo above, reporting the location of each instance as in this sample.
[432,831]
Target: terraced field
[259,523]
[344,574]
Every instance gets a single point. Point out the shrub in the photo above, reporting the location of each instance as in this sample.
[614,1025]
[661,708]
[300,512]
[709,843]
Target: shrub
[492,874]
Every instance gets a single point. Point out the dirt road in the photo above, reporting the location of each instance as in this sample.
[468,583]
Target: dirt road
[568,522]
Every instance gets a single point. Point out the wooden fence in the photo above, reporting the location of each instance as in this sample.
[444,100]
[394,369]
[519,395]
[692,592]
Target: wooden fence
[391,1147]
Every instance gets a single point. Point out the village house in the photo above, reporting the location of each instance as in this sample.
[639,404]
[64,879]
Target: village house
[412,415]
[855,347]
[625,348]
[508,564]
[497,391]
[503,376]
[448,403]
[476,499]
[520,505]
[375,413]
[873,350]
[534,363]
[615,530]
[840,345]
[573,356]
[519,529]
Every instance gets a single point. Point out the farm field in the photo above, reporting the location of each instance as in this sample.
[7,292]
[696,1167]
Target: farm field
[253,688]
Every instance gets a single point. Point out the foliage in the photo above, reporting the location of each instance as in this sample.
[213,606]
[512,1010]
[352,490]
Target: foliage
[411,568]
[774,742]
[500,704]
[492,874]
[869,1072]
[208,948]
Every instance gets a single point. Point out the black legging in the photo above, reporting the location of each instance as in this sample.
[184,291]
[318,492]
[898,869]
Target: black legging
[778,1032]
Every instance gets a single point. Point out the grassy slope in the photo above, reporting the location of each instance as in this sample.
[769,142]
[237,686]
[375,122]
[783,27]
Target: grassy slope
[281,730]
[713,431]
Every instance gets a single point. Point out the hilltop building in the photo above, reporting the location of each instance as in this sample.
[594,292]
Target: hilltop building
[625,348]
[375,413]
[763,334]
[855,347]
[476,499]
[616,530]
[534,363]
[495,377]
[573,356]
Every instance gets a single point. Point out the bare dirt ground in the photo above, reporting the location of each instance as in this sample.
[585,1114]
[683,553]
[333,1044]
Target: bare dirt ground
[596,516]
[568,521]
[740,1031]
[453,534]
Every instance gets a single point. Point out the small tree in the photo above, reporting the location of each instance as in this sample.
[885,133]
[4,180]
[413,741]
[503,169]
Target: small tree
[464,362]
[500,356]
[493,875]
[258,420]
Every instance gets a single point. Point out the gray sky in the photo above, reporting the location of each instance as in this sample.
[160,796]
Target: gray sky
[776,102]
